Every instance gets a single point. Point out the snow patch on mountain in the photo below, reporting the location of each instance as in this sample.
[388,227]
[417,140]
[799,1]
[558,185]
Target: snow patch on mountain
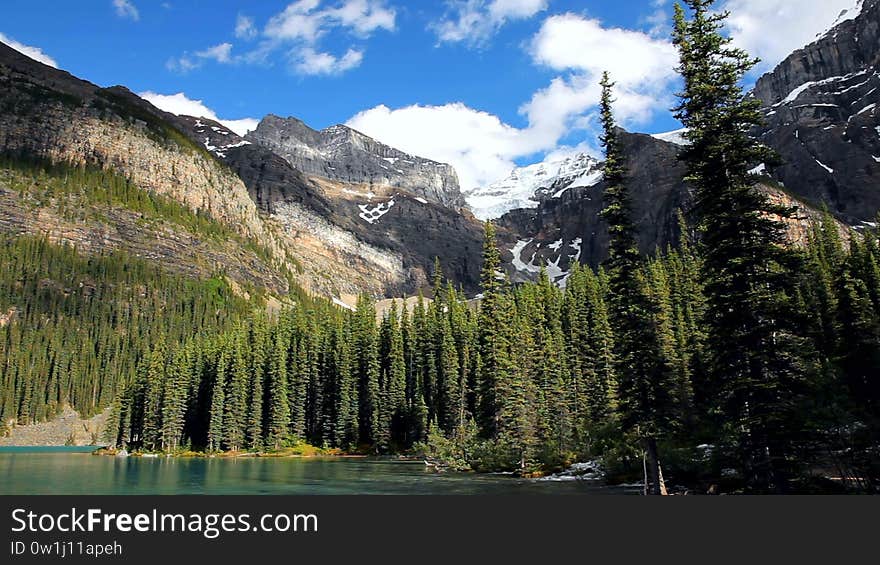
[372,214]
[552,265]
[675,137]
[796,92]
[524,185]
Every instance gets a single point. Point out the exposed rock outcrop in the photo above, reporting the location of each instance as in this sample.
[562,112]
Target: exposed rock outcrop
[343,154]
[362,236]
[822,117]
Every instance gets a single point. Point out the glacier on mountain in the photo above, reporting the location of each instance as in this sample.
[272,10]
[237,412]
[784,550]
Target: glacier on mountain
[525,186]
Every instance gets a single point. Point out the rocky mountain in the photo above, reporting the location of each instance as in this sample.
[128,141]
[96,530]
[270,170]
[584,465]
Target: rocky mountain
[335,237]
[50,116]
[566,226]
[383,238]
[342,154]
[526,186]
[821,117]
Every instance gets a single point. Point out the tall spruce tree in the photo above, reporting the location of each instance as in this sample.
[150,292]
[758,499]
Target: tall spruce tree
[494,324]
[644,379]
[278,409]
[754,364]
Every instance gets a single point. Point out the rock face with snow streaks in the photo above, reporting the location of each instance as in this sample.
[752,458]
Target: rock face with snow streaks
[525,187]
[822,117]
[546,234]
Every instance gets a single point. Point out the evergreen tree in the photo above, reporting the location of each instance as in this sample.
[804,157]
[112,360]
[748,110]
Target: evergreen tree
[367,367]
[396,379]
[277,397]
[754,365]
[258,359]
[644,376]
[494,344]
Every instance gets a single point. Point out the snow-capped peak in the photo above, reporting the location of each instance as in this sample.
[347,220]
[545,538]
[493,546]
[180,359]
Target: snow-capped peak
[525,185]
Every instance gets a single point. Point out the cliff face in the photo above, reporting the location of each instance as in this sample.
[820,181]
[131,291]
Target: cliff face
[49,114]
[822,117]
[569,227]
[343,154]
[362,236]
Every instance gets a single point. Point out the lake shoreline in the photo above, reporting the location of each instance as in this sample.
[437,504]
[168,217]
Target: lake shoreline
[79,473]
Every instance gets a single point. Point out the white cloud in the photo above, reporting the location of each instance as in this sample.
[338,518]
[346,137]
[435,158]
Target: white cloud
[245,28]
[180,105]
[312,62]
[302,25]
[643,67]
[297,31]
[516,8]
[478,144]
[126,9]
[302,20]
[299,21]
[474,22]
[363,16]
[773,29]
[34,53]
[483,148]
[221,53]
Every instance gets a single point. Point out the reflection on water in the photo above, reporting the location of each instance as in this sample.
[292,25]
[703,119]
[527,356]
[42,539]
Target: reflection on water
[78,473]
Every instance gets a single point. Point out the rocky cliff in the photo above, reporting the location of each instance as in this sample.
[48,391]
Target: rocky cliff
[822,117]
[362,236]
[568,227]
[343,154]
[50,115]
[525,187]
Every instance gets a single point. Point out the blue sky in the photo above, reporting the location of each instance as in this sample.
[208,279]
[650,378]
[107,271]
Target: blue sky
[483,84]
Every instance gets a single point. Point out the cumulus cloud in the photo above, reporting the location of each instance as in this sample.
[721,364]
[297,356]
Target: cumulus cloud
[245,28]
[181,105]
[483,148]
[772,29]
[221,53]
[125,9]
[312,62]
[34,53]
[642,66]
[474,22]
[302,24]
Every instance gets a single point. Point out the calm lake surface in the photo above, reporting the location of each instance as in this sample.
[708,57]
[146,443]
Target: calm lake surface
[67,471]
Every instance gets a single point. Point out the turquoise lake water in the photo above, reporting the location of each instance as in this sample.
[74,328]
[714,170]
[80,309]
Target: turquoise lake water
[75,471]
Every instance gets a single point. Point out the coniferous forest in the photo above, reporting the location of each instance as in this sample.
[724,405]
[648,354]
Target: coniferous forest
[733,356]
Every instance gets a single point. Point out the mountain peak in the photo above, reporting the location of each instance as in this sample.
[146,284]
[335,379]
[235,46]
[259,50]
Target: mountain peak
[525,186]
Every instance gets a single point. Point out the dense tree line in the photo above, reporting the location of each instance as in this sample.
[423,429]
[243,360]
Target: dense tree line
[75,328]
